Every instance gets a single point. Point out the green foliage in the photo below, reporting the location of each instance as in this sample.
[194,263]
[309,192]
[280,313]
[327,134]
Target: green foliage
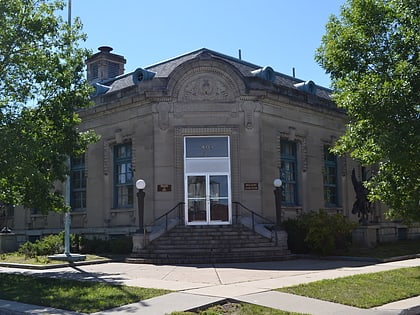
[48,245]
[117,246]
[42,83]
[371,52]
[319,233]
[54,244]
[122,245]
[297,229]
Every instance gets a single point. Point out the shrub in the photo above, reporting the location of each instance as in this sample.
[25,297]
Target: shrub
[94,246]
[319,233]
[118,246]
[48,245]
[296,233]
[121,246]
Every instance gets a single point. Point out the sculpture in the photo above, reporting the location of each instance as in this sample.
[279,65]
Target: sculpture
[362,205]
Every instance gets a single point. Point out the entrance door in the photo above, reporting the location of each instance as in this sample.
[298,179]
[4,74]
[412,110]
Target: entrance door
[208,199]
[207,180]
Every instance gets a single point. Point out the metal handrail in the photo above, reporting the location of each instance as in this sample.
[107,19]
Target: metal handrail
[253,214]
[178,207]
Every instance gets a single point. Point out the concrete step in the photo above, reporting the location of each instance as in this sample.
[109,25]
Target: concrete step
[209,259]
[197,251]
[204,244]
[209,246]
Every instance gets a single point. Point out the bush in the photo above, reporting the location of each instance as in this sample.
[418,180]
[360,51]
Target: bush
[117,246]
[94,246]
[54,244]
[319,233]
[121,245]
[48,245]
[296,233]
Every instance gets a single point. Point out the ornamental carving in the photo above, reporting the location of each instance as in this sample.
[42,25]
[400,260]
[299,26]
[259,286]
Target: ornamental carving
[206,88]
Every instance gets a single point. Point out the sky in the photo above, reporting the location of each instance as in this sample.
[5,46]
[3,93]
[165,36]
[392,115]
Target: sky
[283,34]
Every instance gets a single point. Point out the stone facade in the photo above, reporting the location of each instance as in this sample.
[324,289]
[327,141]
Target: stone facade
[213,97]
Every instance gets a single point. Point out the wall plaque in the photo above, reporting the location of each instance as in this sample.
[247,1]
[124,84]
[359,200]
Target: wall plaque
[251,186]
[164,187]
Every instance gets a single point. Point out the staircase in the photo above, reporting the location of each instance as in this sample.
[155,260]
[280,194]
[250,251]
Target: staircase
[210,244]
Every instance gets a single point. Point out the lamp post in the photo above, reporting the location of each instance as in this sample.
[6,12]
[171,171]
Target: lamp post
[140,185]
[278,196]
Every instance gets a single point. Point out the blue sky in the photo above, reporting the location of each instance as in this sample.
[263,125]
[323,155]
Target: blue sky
[279,33]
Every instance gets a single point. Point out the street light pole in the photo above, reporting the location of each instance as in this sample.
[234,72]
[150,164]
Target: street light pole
[278,196]
[140,185]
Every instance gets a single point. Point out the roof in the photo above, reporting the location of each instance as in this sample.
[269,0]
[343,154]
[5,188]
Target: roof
[165,68]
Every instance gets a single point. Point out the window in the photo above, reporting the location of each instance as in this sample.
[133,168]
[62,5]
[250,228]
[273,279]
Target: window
[123,176]
[330,178]
[204,147]
[77,183]
[288,172]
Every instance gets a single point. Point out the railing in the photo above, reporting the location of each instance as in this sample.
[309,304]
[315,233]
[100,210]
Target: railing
[170,219]
[259,224]
[242,211]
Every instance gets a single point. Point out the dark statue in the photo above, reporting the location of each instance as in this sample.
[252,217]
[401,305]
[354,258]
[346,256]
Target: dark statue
[362,204]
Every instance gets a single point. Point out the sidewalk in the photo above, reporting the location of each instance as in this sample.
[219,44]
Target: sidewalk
[200,285]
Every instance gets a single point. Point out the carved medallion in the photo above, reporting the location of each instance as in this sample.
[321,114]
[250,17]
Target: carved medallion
[206,88]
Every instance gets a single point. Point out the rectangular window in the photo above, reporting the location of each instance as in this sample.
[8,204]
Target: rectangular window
[288,172]
[78,183]
[205,147]
[330,178]
[123,176]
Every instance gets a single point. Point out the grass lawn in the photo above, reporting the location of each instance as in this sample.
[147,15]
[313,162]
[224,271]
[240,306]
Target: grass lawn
[365,290]
[387,250]
[78,296]
[16,258]
[237,309]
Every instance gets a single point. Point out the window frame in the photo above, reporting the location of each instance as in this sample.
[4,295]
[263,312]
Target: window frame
[289,198]
[78,168]
[327,185]
[123,199]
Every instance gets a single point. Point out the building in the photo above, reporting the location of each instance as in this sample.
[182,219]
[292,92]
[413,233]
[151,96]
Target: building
[208,133]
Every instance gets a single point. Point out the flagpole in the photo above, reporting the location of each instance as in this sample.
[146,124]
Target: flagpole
[67,217]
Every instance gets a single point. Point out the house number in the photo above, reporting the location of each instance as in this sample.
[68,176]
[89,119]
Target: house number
[207,147]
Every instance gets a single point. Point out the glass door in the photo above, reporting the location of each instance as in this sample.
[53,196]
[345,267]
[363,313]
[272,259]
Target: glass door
[219,198]
[207,180]
[208,199]
[197,199]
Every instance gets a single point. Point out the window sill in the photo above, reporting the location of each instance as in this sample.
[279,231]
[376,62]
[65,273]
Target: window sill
[121,210]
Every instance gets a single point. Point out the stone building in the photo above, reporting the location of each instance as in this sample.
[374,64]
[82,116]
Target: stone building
[208,133]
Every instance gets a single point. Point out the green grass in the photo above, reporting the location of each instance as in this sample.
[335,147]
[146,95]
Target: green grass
[237,309]
[78,296]
[365,290]
[388,250]
[16,258]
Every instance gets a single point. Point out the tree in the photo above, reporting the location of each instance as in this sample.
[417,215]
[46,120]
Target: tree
[41,86]
[371,52]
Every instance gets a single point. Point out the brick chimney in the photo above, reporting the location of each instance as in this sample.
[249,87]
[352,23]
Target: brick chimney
[104,65]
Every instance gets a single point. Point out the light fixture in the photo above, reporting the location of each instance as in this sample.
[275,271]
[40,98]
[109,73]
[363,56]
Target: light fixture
[140,184]
[277,182]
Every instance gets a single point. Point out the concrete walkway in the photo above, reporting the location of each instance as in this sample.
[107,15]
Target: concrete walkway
[200,285]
